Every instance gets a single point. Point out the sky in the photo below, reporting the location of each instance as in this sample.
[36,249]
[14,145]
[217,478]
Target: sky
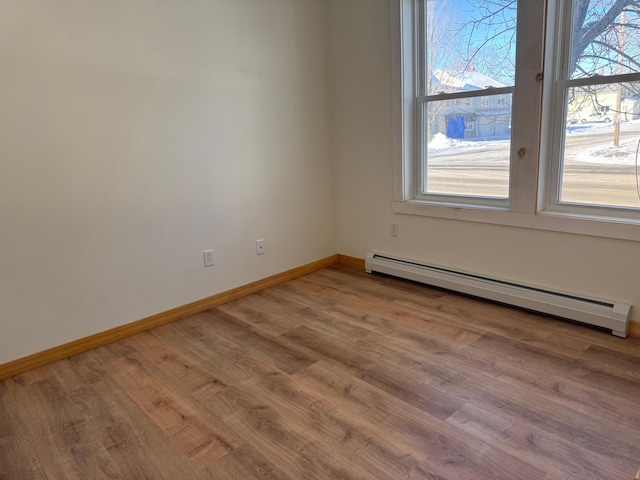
[459,40]
[480,34]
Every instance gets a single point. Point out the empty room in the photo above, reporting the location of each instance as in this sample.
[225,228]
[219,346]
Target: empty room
[320,239]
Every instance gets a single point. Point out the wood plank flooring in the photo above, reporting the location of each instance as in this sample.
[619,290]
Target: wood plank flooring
[335,375]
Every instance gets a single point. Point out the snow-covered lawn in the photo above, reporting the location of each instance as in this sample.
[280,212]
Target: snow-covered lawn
[607,154]
[441,143]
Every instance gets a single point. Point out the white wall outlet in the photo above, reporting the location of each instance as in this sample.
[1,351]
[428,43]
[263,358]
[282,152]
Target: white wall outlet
[394,229]
[260,246]
[208,258]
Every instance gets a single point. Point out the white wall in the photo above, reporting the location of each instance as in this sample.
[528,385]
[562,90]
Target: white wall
[360,85]
[136,134]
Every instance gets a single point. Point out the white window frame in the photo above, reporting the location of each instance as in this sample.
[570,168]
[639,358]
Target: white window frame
[469,98]
[531,170]
[556,84]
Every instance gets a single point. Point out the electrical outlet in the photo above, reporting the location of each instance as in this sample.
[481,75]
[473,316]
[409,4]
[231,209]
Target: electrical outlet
[260,246]
[394,229]
[208,258]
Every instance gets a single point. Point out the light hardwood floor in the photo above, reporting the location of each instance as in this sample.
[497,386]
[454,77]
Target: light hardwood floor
[335,375]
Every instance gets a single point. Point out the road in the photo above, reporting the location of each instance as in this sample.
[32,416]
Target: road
[483,169]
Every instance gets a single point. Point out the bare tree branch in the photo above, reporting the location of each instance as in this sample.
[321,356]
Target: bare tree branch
[584,33]
[594,23]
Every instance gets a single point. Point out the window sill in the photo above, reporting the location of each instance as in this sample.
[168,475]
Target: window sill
[598,226]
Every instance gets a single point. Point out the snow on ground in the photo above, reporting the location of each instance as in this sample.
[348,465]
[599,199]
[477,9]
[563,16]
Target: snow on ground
[441,142]
[604,153]
[607,154]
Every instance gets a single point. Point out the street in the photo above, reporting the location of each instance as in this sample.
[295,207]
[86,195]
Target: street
[594,171]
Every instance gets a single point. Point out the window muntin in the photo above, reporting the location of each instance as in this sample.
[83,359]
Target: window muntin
[539,194]
[456,100]
[599,159]
[596,121]
[460,162]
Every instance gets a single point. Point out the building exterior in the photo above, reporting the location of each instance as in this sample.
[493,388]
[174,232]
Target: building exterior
[469,117]
[602,103]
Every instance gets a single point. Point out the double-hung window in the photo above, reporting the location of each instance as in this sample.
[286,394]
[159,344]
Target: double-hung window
[520,112]
[596,109]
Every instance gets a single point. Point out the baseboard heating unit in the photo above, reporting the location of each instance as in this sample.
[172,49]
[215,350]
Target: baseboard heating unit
[606,314]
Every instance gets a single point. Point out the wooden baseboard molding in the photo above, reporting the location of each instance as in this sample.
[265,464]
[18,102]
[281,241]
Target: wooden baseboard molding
[634,329]
[351,261]
[76,347]
[81,345]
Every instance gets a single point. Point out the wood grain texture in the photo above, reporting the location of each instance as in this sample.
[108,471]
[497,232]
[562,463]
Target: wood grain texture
[21,365]
[334,375]
[54,354]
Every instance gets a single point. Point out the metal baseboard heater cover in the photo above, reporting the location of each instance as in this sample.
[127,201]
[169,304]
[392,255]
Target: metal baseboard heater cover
[602,313]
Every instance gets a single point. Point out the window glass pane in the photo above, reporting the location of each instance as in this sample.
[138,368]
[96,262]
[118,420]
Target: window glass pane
[469,47]
[604,38]
[467,147]
[470,44]
[600,154]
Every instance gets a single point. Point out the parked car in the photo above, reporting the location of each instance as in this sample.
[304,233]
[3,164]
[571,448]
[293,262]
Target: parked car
[595,118]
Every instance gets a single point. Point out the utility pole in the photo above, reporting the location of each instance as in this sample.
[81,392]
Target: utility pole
[616,125]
